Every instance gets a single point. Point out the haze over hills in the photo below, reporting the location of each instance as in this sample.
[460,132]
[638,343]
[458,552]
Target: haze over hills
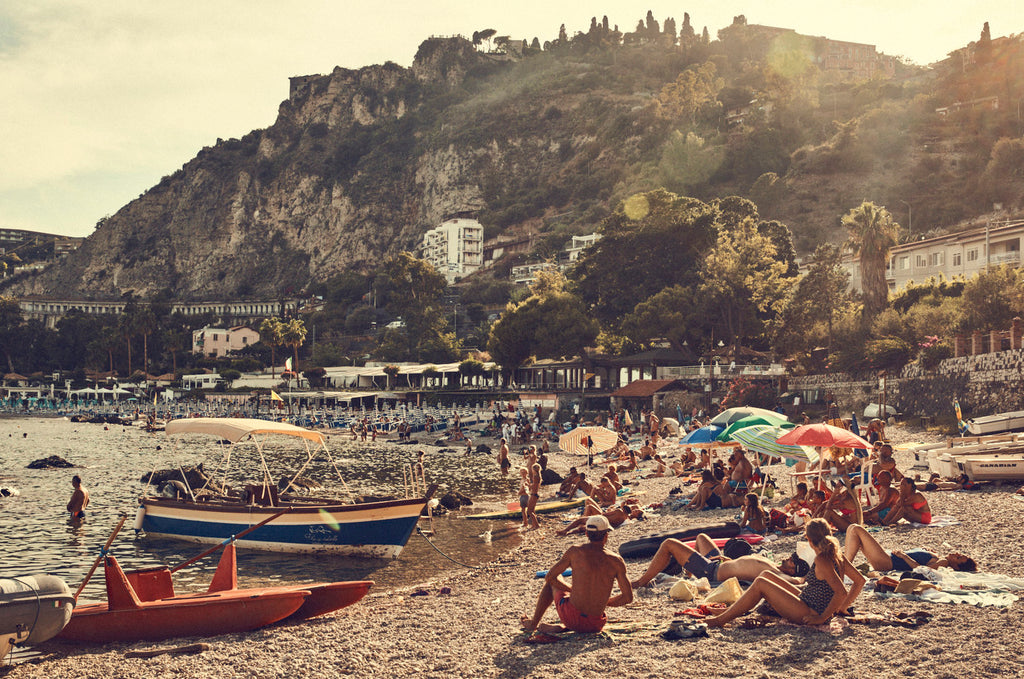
[548,139]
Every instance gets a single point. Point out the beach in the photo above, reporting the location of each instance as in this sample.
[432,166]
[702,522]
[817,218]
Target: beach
[473,630]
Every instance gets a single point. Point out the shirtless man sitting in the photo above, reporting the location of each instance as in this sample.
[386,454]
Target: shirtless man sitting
[605,493]
[740,471]
[595,571]
[706,561]
[882,514]
[568,487]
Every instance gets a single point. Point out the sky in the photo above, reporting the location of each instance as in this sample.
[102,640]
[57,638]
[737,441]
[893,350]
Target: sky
[102,98]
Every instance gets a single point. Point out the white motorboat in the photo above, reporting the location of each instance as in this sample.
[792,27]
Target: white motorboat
[994,424]
[993,466]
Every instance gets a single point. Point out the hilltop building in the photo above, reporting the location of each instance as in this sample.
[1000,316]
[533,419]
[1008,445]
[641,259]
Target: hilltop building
[217,342]
[853,60]
[527,273]
[455,248]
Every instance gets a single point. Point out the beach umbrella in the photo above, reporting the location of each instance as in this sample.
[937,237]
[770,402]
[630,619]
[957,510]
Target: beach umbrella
[671,423]
[824,435]
[763,438]
[730,415]
[587,440]
[705,434]
[752,420]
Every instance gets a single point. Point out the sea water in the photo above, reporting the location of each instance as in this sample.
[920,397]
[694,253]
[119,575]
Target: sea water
[37,536]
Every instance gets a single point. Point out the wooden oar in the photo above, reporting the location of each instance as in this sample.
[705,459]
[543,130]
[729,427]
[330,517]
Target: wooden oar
[231,539]
[103,553]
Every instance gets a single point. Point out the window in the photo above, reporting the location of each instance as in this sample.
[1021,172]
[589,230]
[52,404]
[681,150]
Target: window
[921,261]
[956,259]
[936,258]
[905,262]
[972,255]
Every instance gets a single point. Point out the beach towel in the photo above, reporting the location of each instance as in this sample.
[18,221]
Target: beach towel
[938,521]
[956,587]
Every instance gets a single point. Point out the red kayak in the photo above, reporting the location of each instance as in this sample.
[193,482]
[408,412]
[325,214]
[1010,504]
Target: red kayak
[142,606]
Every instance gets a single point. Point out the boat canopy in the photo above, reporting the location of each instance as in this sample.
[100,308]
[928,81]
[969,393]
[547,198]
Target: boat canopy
[234,429]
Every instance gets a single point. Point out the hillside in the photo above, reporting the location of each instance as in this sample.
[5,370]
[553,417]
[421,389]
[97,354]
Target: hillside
[359,164]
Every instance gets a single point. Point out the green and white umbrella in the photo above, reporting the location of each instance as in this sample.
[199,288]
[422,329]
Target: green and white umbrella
[761,438]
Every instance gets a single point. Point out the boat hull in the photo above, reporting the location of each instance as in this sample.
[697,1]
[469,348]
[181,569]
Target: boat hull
[995,467]
[34,608]
[327,597]
[374,529]
[994,424]
[200,615]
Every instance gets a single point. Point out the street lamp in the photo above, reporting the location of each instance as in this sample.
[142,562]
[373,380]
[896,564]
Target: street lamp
[910,219]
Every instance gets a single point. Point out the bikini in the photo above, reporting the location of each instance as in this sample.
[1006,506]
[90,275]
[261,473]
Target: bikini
[817,594]
[926,517]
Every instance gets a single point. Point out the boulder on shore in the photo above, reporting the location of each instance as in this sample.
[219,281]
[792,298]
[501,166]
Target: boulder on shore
[453,499]
[52,462]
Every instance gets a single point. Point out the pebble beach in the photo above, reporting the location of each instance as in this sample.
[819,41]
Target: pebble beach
[466,624]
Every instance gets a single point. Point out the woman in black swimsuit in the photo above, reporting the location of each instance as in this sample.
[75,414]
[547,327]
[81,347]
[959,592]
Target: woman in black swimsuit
[823,594]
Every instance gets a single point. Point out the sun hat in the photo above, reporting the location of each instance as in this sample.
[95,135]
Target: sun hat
[598,524]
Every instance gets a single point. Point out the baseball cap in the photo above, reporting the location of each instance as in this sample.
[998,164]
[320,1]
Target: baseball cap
[598,524]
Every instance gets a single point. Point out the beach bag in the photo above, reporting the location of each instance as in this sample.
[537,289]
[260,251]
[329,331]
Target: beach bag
[726,593]
[683,591]
[736,548]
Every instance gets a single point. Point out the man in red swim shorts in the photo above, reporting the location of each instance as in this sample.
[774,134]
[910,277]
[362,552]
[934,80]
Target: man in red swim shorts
[595,570]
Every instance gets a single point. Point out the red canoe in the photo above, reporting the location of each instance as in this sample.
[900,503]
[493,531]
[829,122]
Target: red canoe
[142,606]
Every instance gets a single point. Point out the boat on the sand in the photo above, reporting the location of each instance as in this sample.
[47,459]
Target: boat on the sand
[33,609]
[994,424]
[143,606]
[377,529]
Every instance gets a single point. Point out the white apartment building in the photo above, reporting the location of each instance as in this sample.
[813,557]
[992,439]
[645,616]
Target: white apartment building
[956,255]
[581,243]
[216,342]
[456,247]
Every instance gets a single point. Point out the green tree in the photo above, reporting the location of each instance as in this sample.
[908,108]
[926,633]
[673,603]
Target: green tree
[414,290]
[10,327]
[293,334]
[651,241]
[992,299]
[272,334]
[819,298]
[694,92]
[744,278]
[872,234]
[551,323]
[677,314]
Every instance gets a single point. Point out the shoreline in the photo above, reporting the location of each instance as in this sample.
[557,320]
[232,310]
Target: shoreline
[474,630]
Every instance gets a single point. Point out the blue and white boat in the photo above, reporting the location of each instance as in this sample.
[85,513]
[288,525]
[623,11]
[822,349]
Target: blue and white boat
[305,525]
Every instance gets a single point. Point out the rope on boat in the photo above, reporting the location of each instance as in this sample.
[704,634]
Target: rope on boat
[456,561]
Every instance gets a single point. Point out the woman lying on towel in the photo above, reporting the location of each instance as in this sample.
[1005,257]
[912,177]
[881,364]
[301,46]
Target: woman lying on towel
[823,594]
[859,540]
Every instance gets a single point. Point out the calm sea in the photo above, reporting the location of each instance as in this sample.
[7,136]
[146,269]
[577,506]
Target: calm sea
[37,536]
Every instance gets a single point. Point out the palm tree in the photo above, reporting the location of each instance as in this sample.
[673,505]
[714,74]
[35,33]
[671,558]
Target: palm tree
[293,334]
[872,233]
[271,334]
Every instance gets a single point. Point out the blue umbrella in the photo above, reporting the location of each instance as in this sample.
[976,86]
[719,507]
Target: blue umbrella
[706,434]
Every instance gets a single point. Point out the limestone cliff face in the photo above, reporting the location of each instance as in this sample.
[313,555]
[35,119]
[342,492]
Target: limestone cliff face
[358,165]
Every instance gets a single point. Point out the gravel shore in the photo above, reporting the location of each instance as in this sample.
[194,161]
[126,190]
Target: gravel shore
[473,631]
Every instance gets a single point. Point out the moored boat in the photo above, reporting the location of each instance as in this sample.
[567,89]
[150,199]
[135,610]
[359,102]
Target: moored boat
[994,424]
[377,529]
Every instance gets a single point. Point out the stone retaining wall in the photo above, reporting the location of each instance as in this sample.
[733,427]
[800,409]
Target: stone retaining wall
[984,383]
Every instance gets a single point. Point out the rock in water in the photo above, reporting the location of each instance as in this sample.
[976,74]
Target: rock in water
[52,462]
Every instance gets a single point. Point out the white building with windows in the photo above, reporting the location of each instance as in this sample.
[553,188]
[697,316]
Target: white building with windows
[956,255]
[456,247]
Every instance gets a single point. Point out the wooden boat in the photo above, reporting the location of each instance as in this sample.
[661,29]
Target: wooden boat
[311,525]
[33,609]
[542,508]
[142,605]
[994,424]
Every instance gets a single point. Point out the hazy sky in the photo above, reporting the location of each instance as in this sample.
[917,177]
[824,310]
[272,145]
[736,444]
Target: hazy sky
[101,98]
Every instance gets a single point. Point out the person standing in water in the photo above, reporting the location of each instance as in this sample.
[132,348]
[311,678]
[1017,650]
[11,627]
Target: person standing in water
[79,499]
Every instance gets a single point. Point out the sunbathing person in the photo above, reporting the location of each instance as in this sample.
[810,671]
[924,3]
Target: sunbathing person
[859,540]
[613,476]
[705,459]
[659,471]
[595,570]
[842,508]
[568,487]
[705,560]
[882,514]
[605,493]
[740,471]
[754,515]
[935,482]
[688,458]
[886,462]
[616,515]
[913,505]
[798,501]
[823,594]
[706,496]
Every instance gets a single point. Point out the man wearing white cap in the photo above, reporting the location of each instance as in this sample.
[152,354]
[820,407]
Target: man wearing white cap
[595,570]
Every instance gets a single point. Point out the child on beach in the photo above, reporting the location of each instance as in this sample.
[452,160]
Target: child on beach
[754,515]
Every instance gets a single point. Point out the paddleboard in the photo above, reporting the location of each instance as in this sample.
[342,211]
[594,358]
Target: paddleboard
[542,508]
